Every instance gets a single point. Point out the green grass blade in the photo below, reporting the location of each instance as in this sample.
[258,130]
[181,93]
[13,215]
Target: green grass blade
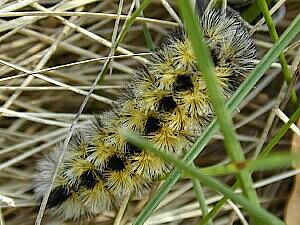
[205,65]
[148,37]
[282,131]
[267,163]
[122,34]
[274,36]
[233,103]
[213,212]
[265,63]
[130,21]
[254,210]
[146,32]
[201,198]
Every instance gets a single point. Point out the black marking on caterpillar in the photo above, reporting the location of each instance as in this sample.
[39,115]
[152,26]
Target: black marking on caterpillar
[183,83]
[116,163]
[88,179]
[58,195]
[167,104]
[152,125]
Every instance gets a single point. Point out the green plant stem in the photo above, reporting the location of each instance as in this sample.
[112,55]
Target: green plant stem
[274,36]
[262,155]
[213,212]
[205,65]
[267,163]
[130,21]
[282,131]
[233,103]
[146,32]
[122,34]
[256,211]
[201,198]
[148,37]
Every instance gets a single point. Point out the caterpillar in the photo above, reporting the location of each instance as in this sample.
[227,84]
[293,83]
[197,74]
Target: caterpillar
[166,102]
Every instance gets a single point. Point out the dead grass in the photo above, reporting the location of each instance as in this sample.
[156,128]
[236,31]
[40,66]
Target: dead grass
[50,54]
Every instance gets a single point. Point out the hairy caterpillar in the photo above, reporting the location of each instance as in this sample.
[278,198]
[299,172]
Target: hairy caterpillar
[166,102]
